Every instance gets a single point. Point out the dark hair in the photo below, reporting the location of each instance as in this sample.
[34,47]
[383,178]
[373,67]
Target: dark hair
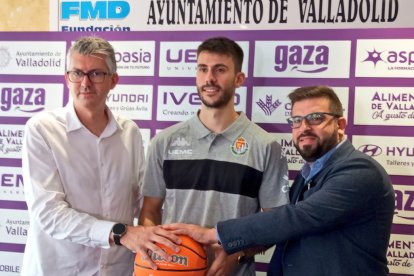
[224,46]
[320,91]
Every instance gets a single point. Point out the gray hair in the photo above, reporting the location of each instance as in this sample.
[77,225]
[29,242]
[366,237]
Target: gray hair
[91,45]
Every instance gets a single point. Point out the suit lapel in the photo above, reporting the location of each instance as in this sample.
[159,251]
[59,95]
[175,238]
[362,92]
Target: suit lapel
[296,189]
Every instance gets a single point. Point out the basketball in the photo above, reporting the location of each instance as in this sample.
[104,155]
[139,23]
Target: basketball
[190,260]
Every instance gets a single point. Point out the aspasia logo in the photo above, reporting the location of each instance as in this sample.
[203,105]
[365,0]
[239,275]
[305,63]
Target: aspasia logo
[395,60]
[374,57]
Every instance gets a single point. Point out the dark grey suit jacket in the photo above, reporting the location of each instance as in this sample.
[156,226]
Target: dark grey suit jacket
[341,226]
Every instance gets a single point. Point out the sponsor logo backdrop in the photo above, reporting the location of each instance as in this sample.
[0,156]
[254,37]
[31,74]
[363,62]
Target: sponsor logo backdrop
[370,68]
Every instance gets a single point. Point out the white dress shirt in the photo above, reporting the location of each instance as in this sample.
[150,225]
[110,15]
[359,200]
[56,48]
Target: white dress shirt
[77,186]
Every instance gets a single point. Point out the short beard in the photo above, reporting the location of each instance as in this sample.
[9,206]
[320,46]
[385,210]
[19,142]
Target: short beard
[222,101]
[310,154]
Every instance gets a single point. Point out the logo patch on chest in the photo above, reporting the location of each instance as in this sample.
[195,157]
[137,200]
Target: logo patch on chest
[240,146]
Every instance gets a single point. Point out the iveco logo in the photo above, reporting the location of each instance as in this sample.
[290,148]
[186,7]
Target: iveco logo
[371,150]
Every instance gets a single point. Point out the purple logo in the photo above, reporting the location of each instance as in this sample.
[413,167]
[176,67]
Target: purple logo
[402,57]
[371,150]
[400,151]
[374,57]
[192,98]
[188,56]
[25,99]
[134,57]
[269,106]
[401,206]
[127,98]
[11,180]
[301,57]
[392,57]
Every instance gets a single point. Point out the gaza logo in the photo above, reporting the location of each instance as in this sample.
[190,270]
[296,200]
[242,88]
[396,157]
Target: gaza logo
[301,58]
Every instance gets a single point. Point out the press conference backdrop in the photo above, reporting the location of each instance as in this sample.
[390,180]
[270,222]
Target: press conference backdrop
[364,49]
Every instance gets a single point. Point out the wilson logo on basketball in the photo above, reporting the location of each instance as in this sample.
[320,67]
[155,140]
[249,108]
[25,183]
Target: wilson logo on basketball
[176,259]
[191,260]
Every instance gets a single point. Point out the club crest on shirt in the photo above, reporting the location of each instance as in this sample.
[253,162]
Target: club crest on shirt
[240,146]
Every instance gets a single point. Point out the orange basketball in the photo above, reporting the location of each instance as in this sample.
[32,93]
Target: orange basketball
[190,260]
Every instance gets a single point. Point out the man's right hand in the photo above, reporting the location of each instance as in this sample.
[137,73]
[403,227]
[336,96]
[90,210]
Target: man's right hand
[203,235]
[140,239]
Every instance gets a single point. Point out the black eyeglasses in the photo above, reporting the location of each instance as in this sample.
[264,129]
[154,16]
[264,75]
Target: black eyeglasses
[93,76]
[312,119]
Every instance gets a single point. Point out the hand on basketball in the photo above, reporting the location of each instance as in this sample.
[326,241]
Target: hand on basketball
[143,238]
[191,260]
[201,234]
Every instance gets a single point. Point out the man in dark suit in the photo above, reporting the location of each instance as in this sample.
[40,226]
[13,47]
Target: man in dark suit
[342,202]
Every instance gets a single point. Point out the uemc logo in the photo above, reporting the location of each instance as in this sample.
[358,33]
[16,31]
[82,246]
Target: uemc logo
[370,149]
[180,55]
[192,98]
[302,58]
[11,180]
[26,99]
[404,203]
[94,10]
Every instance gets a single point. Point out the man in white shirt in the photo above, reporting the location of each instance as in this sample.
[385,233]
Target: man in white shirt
[82,168]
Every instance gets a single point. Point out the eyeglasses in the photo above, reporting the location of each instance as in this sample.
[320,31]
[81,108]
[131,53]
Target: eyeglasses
[312,119]
[93,76]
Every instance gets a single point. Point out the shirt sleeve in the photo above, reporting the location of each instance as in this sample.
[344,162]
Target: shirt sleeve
[274,190]
[154,184]
[45,196]
[345,200]
[140,163]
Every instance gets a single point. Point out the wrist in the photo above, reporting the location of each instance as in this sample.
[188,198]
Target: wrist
[118,230]
[244,258]
[215,237]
